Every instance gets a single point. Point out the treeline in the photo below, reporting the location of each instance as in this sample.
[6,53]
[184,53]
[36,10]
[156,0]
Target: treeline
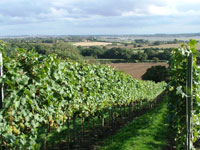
[126,53]
[65,50]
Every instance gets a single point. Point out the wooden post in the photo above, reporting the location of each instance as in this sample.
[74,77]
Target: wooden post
[111,112]
[189,101]
[102,124]
[68,134]
[75,129]
[82,128]
[1,85]
[120,111]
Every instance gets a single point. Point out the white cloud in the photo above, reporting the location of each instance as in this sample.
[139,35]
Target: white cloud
[159,10]
[132,13]
[100,14]
[54,13]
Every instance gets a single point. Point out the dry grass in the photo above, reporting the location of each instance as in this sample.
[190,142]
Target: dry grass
[165,46]
[91,44]
[135,69]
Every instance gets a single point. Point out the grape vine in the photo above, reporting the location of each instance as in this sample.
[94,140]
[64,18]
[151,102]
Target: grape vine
[44,91]
[178,94]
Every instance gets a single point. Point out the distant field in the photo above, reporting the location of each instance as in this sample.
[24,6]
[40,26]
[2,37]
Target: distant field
[109,45]
[162,46]
[169,46]
[172,46]
[135,69]
[91,43]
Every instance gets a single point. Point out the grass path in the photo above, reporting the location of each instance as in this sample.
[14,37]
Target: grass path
[148,132]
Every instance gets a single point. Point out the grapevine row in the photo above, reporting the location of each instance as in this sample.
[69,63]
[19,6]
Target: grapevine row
[44,91]
[178,93]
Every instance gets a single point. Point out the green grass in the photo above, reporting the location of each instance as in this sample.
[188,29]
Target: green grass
[148,132]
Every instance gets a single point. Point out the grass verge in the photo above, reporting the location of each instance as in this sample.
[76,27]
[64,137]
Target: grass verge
[147,132]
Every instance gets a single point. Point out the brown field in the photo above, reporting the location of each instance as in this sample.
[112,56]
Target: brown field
[121,46]
[164,46]
[135,69]
[91,43]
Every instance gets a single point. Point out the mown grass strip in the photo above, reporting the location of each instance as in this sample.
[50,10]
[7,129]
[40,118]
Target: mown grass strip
[148,132]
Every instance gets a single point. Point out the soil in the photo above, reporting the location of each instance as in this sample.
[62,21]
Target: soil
[135,69]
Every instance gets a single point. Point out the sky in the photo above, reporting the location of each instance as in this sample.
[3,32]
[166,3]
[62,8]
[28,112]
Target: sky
[92,17]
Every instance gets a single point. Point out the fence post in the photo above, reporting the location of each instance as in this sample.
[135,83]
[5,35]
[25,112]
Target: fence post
[75,129]
[189,100]
[1,85]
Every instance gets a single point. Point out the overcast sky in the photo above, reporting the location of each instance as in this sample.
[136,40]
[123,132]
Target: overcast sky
[75,17]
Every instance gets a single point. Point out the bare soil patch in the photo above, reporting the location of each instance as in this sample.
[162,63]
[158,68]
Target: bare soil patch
[135,69]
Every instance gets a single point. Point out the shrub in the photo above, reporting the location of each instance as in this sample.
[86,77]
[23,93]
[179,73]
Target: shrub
[156,73]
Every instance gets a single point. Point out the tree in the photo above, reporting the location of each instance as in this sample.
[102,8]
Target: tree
[140,41]
[150,53]
[142,56]
[66,50]
[164,55]
[41,49]
[93,51]
[157,74]
[155,59]
[157,43]
[175,41]
[118,53]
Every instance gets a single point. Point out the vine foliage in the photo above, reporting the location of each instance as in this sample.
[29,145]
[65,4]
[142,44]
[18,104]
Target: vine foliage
[45,91]
[178,94]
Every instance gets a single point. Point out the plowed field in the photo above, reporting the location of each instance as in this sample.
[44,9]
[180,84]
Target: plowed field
[135,69]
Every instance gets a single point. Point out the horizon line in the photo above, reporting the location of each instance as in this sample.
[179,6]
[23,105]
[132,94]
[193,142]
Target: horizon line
[145,34]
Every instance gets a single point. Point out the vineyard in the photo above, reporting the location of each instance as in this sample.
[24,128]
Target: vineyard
[185,101]
[49,101]
[43,94]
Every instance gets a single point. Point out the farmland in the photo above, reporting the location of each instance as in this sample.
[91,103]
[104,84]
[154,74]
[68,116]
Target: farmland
[163,46]
[121,45]
[91,44]
[48,94]
[82,48]
[135,69]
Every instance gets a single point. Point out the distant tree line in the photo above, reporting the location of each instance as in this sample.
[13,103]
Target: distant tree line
[63,49]
[126,53]
[66,50]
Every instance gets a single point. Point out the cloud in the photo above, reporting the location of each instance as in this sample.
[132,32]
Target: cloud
[104,14]
[39,9]
[159,10]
